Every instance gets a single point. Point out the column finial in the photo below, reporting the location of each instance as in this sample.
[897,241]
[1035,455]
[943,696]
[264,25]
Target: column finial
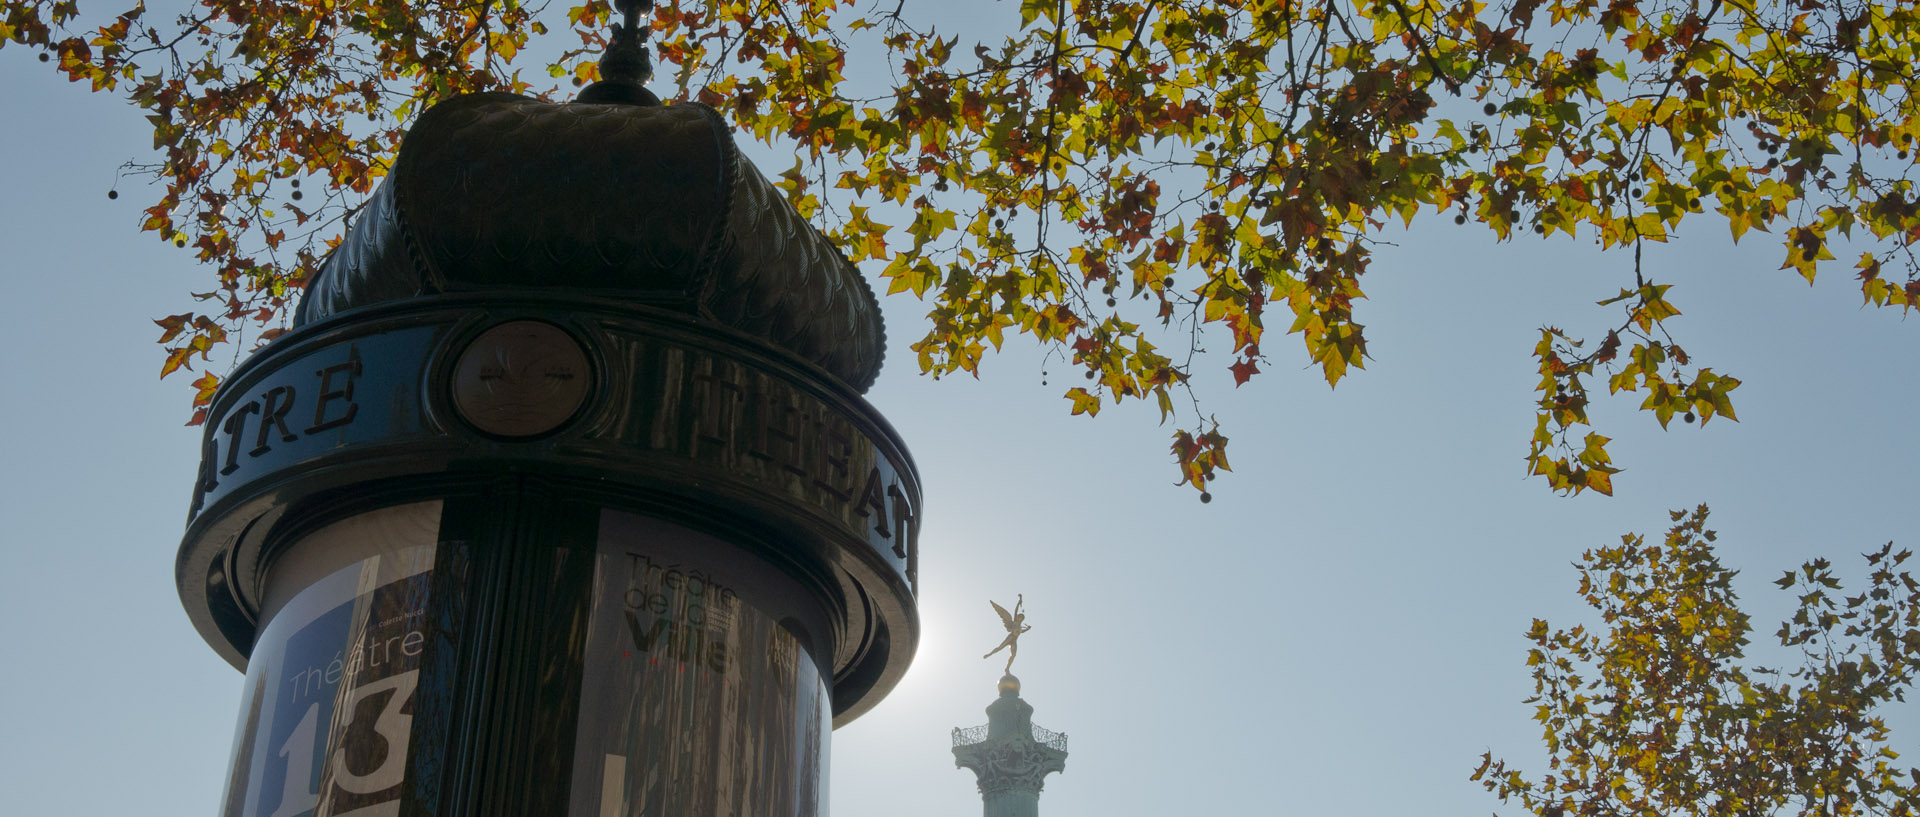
[626,65]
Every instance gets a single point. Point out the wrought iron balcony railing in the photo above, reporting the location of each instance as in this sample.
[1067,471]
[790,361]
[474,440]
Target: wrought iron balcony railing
[978,734]
[1050,738]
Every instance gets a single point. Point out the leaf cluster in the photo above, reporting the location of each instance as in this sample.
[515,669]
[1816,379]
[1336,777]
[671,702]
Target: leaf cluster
[248,101]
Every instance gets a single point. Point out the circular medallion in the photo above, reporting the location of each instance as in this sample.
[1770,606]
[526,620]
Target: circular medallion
[520,379]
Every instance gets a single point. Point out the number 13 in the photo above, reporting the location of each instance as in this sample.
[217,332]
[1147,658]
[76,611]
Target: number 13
[392,727]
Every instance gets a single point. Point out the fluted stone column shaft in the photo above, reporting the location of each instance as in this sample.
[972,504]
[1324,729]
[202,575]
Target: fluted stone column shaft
[1011,804]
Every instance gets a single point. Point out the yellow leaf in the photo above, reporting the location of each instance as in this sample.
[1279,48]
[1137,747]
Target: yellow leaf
[1083,403]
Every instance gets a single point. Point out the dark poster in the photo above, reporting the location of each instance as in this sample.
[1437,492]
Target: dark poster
[701,697]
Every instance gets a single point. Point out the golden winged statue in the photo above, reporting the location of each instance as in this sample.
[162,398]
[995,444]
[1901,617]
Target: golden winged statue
[1016,622]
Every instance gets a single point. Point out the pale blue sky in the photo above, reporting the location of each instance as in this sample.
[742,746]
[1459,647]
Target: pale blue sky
[1338,632]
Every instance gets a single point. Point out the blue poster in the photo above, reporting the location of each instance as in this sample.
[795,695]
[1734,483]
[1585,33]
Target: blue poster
[332,681]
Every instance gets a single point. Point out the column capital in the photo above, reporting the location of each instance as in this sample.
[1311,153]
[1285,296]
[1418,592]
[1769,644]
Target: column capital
[1015,762]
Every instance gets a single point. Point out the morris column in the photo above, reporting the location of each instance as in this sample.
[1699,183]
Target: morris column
[560,497]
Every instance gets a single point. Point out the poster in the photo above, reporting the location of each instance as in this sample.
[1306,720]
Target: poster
[702,694]
[327,716]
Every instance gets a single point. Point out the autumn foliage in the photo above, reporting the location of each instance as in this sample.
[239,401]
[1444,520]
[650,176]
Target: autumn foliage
[1128,182]
[1660,710]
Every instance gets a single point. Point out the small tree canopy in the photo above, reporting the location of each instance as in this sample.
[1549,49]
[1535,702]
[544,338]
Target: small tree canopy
[1658,712]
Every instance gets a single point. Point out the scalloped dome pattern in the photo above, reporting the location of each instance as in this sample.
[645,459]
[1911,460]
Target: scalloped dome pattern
[653,205]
